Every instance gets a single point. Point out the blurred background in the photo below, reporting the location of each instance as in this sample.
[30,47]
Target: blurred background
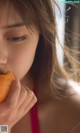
[68,27]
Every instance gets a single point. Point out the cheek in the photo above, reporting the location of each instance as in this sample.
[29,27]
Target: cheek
[24,56]
[22,61]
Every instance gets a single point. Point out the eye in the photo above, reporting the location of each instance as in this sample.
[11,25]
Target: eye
[17,38]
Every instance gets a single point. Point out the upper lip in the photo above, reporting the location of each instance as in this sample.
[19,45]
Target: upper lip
[1,71]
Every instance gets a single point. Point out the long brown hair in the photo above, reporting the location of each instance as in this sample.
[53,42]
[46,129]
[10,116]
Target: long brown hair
[45,69]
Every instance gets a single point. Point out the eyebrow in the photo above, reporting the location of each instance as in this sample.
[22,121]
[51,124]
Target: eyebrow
[13,25]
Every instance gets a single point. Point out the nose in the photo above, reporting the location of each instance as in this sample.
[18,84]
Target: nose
[3,56]
[2,60]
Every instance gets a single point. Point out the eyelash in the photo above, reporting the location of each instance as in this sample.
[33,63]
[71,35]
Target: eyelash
[17,38]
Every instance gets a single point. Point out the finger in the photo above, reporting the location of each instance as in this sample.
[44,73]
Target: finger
[13,96]
[30,100]
[27,100]
[30,105]
[26,109]
[22,96]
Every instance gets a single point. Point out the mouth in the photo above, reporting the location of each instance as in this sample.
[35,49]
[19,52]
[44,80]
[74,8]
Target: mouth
[1,71]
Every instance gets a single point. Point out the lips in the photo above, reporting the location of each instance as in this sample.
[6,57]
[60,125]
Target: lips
[1,71]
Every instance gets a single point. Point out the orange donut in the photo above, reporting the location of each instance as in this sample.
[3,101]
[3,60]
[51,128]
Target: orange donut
[5,83]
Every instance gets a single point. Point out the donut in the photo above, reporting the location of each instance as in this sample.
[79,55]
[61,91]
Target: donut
[5,83]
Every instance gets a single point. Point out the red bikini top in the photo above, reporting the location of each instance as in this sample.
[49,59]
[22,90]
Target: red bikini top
[34,115]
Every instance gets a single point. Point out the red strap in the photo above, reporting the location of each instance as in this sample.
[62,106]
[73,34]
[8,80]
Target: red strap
[34,116]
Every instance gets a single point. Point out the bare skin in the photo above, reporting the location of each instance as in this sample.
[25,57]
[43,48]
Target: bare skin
[18,103]
[18,56]
[17,52]
[59,117]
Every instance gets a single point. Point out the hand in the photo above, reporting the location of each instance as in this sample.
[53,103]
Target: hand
[17,104]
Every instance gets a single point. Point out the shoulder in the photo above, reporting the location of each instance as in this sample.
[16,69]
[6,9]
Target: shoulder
[67,110]
[64,116]
[74,89]
[73,100]
[72,107]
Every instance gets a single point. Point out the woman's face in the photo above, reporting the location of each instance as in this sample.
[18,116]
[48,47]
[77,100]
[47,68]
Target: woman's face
[17,44]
